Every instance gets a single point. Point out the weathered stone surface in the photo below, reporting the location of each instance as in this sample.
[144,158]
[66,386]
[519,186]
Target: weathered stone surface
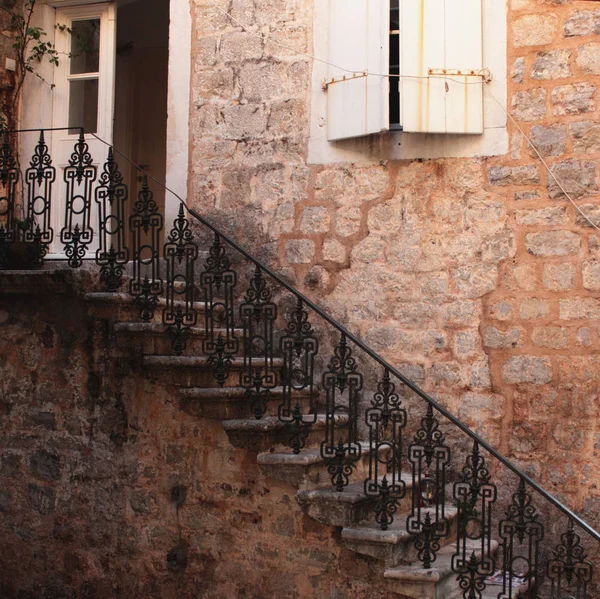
[553,243]
[588,58]
[514,175]
[586,137]
[213,83]
[518,70]
[582,22]
[575,98]
[527,196]
[551,337]
[284,117]
[558,276]
[467,343]
[591,214]
[334,251]
[553,215]
[590,272]
[497,339]
[577,177]
[529,105]
[475,281]
[501,310]
[261,81]
[240,45]
[533,308]
[315,219]
[584,336]
[481,407]
[551,65]
[299,251]
[549,141]
[534,29]
[527,369]
[244,121]
[579,307]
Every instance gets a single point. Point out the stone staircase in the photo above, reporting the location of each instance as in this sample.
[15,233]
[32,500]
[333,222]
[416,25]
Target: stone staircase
[349,511]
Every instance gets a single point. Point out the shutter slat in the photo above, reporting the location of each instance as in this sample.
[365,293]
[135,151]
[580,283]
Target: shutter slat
[358,42]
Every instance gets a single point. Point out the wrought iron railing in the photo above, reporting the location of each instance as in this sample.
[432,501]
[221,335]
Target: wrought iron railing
[508,548]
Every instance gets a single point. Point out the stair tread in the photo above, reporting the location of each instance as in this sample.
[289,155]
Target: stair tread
[271,423]
[121,297]
[306,457]
[352,494]
[228,392]
[149,327]
[191,361]
[442,567]
[396,533]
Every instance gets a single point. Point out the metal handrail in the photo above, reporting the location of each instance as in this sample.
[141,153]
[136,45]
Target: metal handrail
[365,348]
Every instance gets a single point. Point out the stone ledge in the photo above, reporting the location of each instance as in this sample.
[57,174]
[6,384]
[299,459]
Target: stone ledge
[37,282]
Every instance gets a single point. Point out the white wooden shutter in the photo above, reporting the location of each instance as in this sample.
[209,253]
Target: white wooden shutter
[441,34]
[358,41]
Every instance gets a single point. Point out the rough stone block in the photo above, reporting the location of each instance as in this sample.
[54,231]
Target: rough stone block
[533,308]
[529,105]
[527,196]
[550,141]
[518,70]
[285,116]
[584,336]
[496,339]
[534,29]
[527,369]
[315,219]
[262,81]
[582,22]
[579,307]
[334,251]
[588,58]
[551,337]
[575,98]
[590,272]
[591,212]
[244,121]
[551,65]
[577,177]
[553,243]
[514,175]
[552,215]
[239,46]
[558,277]
[299,251]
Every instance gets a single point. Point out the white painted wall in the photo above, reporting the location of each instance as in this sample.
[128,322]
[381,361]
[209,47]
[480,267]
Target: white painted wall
[398,145]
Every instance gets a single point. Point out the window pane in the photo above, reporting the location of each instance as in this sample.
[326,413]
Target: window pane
[85,46]
[83,105]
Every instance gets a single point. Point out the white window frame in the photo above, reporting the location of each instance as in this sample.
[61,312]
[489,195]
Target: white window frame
[398,145]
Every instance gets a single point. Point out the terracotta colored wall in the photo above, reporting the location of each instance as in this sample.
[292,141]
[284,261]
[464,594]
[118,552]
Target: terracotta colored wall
[474,275]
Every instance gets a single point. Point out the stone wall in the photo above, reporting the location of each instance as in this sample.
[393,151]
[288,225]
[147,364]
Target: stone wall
[109,490]
[475,276]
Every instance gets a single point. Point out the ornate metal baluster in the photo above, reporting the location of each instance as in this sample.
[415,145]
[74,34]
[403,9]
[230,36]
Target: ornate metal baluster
[218,282]
[342,383]
[111,195]
[299,348]
[258,314]
[569,572]
[475,497]
[146,223]
[39,178]
[9,178]
[181,254]
[386,419]
[428,457]
[79,176]
[520,530]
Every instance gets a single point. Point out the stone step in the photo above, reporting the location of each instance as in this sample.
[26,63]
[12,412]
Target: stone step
[269,433]
[395,545]
[345,508]
[439,582]
[307,469]
[231,403]
[154,338]
[194,371]
[121,306]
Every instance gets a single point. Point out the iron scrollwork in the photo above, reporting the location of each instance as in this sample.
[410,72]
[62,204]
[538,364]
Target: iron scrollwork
[474,496]
[112,253]
[80,174]
[569,572]
[181,254]
[146,223]
[9,178]
[386,419]
[257,315]
[429,457]
[520,534]
[342,383]
[299,347]
[218,282]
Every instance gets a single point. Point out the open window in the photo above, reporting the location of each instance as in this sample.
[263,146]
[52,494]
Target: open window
[387,67]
